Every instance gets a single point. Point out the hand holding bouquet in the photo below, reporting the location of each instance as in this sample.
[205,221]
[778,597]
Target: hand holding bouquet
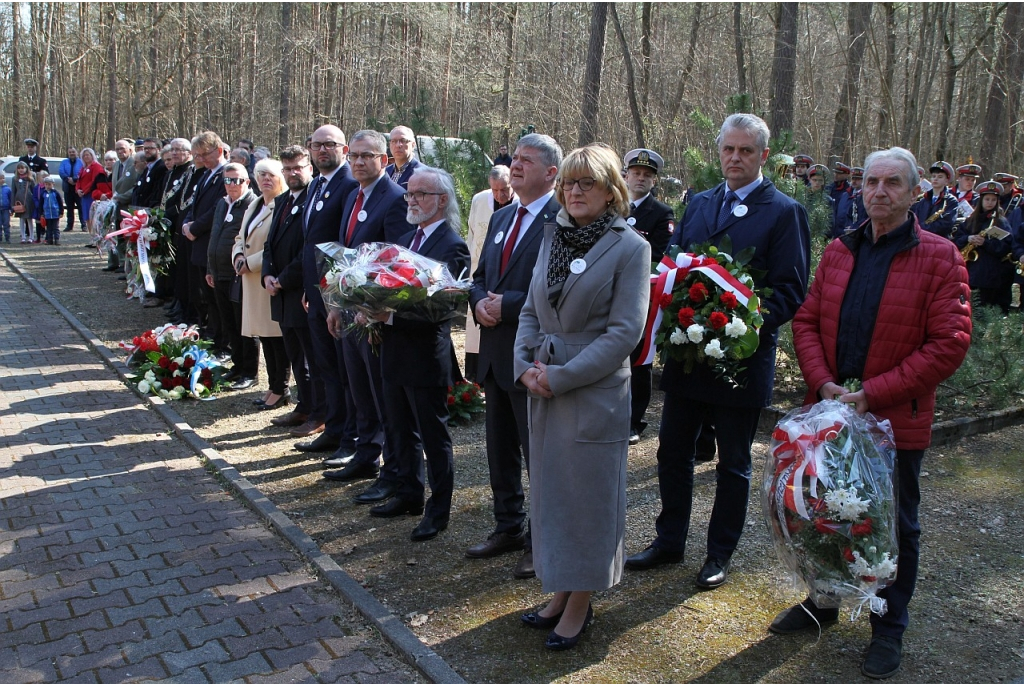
[828,501]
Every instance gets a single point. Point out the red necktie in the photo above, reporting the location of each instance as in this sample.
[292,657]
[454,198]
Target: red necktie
[354,218]
[417,240]
[284,212]
[510,244]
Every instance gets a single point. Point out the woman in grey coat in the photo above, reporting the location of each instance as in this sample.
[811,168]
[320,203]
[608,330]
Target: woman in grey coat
[584,314]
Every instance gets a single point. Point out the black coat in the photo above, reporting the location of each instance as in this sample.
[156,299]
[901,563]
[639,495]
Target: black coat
[323,226]
[204,202]
[222,237]
[282,258]
[655,221]
[150,186]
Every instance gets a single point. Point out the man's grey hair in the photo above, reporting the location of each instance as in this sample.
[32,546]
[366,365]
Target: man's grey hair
[751,123]
[183,143]
[261,153]
[443,183]
[139,157]
[242,154]
[500,172]
[905,158]
[550,151]
[377,142]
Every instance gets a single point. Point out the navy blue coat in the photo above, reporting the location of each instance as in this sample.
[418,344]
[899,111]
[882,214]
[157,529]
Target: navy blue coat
[416,353]
[925,208]
[282,258]
[776,226]
[385,216]
[321,226]
[989,270]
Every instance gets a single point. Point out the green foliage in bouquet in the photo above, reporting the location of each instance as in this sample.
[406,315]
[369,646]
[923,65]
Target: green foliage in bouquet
[465,399]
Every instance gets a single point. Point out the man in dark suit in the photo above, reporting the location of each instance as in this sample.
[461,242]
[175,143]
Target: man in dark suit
[34,161]
[150,186]
[282,277]
[753,214]
[416,366]
[402,143]
[209,148]
[375,213]
[322,216]
[500,284]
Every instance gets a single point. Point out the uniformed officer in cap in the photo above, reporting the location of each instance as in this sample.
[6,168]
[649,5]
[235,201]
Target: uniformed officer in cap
[856,179]
[1010,200]
[801,165]
[937,209]
[817,175]
[967,176]
[655,221]
[34,161]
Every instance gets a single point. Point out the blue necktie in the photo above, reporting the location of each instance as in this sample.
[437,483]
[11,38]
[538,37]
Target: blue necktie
[723,213]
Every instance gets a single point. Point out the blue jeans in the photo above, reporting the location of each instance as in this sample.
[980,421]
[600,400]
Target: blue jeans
[5,224]
[53,231]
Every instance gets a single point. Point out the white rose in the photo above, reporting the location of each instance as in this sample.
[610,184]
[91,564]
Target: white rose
[695,333]
[354,278]
[144,387]
[150,376]
[677,337]
[179,360]
[714,349]
[736,328]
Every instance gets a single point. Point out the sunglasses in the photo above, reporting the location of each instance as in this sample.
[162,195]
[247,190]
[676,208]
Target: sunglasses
[235,181]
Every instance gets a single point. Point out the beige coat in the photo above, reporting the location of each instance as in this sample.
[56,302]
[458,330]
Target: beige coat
[256,321]
[579,438]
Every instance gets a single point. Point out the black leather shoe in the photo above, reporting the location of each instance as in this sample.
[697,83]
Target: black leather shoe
[651,557]
[884,656]
[322,443]
[243,383]
[713,574]
[353,472]
[535,620]
[634,437]
[799,617]
[342,456]
[396,506]
[558,643]
[524,567]
[283,400]
[229,375]
[428,529]
[497,543]
[378,492]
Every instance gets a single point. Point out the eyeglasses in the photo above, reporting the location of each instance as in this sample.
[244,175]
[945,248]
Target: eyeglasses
[365,156]
[329,145]
[418,196]
[586,183]
[150,147]
[179,149]
[293,169]
[235,181]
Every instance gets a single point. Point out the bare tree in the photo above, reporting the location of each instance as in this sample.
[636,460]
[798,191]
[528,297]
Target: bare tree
[784,67]
[858,18]
[647,11]
[737,32]
[592,77]
[634,106]
[691,56]
[287,58]
[995,148]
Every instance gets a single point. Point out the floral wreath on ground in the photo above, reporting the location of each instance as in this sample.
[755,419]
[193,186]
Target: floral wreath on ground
[465,398]
[149,247]
[705,309]
[828,501]
[173,362]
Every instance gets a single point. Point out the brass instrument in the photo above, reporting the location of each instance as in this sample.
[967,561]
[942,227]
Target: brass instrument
[969,252]
[937,215]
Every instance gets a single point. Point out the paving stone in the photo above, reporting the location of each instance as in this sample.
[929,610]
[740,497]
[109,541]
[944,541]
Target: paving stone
[239,669]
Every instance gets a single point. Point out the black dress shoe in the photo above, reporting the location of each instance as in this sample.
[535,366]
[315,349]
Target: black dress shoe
[397,506]
[497,543]
[429,527]
[342,456]
[558,643]
[884,656]
[229,375]
[713,574]
[282,401]
[651,557]
[378,492]
[243,383]
[354,472]
[258,402]
[634,437]
[322,443]
[524,567]
[802,616]
[535,620]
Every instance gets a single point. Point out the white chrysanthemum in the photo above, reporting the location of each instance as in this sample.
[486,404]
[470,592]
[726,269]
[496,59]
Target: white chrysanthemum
[735,328]
[714,349]
[677,337]
[860,566]
[845,503]
[886,568]
[695,333]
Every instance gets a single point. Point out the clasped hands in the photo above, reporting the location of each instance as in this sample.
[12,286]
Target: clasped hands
[488,310]
[834,391]
[536,379]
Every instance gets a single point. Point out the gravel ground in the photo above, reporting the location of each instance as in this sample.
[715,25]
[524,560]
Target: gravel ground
[653,627]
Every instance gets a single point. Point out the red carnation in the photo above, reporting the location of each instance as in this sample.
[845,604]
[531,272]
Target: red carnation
[323,282]
[173,367]
[666,300]
[824,526]
[686,317]
[863,528]
[729,301]
[848,555]
[698,292]
[189,363]
[164,362]
[466,398]
[451,400]
[718,320]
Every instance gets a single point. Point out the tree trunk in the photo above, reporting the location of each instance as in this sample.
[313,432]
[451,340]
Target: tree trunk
[332,65]
[645,53]
[737,32]
[691,59]
[46,14]
[949,85]
[995,147]
[111,67]
[634,107]
[510,59]
[858,19]
[16,71]
[887,111]
[784,68]
[592,76]
[287,58]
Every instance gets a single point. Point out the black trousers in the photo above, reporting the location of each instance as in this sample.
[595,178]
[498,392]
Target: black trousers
[329,366]
[299,349]
[508,450]
[243,348]
[276,359]
[362,367]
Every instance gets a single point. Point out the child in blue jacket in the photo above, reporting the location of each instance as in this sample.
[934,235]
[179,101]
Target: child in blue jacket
[52,210]
[6,202]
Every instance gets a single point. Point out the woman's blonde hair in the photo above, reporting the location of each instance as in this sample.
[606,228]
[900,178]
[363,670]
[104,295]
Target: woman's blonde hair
[271,166]
[601,163]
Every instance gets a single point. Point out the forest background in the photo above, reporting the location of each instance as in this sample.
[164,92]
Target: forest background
[942,79]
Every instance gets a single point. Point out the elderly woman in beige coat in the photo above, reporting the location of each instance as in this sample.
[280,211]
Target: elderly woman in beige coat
[247,256]
[584,314]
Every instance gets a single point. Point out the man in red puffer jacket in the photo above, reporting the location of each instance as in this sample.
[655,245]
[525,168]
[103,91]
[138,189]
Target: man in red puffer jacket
[889,305]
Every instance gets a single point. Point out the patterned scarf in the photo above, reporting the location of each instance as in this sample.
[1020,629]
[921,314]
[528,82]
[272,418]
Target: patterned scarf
[569,243]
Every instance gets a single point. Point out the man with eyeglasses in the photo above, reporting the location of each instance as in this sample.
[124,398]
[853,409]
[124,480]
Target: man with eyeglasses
[374,213]
[500,284]
[322,216]
[402,143]
[149,187]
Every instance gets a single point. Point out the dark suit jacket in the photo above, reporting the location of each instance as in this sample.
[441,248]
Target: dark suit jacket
[415,353]
[222,236]
[776,226]
[403,179]
[35,162]
[655,221]
[282,258]
[385,216]
[497,343]
[322,227]
[150,187]
[208,193]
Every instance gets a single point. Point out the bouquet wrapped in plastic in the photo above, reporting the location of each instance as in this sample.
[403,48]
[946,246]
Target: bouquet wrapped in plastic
[828,501]
[378,278]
